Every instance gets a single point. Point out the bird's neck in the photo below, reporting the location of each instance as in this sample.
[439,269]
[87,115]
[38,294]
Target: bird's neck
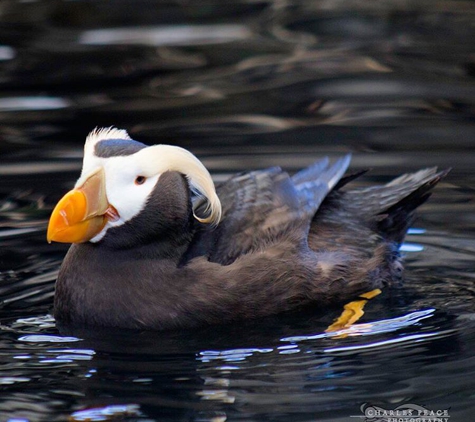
[170,247]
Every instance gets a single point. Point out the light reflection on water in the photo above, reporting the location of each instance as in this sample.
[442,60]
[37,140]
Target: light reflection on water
[374,346]
[362,330]
[106,413]
[371,328]
[244,85]
[14,104]
[167,35]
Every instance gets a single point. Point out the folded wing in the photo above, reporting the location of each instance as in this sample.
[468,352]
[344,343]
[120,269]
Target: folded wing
[263,208]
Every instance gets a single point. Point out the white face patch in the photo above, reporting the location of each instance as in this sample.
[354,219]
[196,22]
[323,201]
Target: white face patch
[123,192]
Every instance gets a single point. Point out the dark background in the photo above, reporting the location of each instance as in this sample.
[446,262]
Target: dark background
[242,84]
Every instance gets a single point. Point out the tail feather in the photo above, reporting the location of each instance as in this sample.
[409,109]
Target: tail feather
[395,220]
[413,177]
[349,178]
[377,200]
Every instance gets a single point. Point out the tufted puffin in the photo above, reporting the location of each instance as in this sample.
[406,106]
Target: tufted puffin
[156,246]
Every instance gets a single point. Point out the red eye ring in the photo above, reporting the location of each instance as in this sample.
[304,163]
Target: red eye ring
[140,180]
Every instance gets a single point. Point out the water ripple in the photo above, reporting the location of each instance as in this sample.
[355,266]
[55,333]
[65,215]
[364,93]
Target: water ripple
[244,85]
[106,413]
[384,343]
[370,328]
[177,35]
[37,338]
[234,355]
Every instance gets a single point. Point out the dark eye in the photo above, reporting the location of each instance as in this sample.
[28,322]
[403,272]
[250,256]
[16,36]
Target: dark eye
[140,180]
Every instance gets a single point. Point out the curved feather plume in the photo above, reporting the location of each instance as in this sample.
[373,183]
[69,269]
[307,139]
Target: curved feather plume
[162,158]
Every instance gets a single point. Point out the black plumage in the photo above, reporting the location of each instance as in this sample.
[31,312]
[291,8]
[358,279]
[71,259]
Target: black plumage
[283,242]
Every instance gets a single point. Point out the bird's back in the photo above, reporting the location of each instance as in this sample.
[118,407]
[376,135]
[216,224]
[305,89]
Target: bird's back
[316,205]
[264,207]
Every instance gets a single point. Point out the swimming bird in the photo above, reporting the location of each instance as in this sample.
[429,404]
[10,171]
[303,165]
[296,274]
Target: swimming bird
[155,245]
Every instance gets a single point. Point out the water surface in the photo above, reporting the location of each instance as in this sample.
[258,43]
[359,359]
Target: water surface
[244,85]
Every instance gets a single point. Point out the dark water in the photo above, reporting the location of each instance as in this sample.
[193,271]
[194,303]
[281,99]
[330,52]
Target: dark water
[243,84]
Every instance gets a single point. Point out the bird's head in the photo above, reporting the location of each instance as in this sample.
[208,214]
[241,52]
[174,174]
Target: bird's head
[123,181]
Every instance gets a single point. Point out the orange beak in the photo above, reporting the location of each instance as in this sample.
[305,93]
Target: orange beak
[82,213]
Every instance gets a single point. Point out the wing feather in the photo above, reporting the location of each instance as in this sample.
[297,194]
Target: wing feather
[266,207]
